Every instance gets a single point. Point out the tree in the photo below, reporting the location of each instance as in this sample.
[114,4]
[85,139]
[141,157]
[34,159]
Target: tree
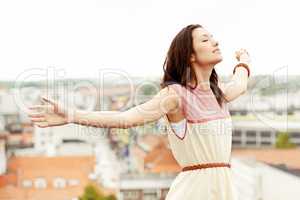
[111,197]
[91,192]
[283,141]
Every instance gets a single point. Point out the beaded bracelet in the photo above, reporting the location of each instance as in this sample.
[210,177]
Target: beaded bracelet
[242,65]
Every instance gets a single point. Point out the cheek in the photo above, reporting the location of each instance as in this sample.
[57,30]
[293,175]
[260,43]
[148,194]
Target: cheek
[204,53]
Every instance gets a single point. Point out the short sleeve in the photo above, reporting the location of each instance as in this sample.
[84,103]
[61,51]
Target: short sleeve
[182,131]
[181,93]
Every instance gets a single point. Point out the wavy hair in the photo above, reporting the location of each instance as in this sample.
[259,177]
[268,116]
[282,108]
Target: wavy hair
[177,66]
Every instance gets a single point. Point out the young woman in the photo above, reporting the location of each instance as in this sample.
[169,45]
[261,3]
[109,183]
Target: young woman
[195,106]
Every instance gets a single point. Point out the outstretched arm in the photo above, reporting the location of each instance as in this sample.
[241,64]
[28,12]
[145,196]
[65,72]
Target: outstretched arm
[239,80]
[54,114]
[152,110]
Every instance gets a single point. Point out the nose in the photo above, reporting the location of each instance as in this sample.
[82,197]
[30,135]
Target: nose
[216,43]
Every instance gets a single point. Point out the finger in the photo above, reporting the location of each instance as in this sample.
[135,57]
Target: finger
[42,124]
[36,107]
[48,100]
[41,108]
[245,51]
[52,102]
[40,119]
[36,115]
[237,56]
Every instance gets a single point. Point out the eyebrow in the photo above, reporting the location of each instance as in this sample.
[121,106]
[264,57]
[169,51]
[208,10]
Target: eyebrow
[207,35]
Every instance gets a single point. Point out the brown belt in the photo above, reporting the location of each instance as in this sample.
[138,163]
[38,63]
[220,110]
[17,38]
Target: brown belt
[206,165]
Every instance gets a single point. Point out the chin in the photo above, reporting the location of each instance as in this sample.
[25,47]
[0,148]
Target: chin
[217,60]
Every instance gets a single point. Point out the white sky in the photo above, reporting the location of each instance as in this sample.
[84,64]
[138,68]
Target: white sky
[84,36]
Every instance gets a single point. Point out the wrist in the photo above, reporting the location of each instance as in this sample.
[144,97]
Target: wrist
[77,116]
[243,69]
[73,116]
[245,60]
[242,65]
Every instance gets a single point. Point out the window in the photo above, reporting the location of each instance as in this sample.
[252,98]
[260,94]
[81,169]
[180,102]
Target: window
[236,142]
[73,182]
[150,194]
[265,134]
[133,194]
[27,183]
[251,142]
[237,133]
[59,183]
[40,183]
[250,133]
[295,135]
[265,143]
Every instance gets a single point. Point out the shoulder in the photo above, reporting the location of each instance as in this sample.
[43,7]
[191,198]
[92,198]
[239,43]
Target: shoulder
[177,88]
[172,94]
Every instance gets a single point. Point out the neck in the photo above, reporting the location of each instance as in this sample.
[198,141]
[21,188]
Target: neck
[203,75]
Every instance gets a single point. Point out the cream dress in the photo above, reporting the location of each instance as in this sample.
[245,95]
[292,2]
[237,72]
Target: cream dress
[206,139]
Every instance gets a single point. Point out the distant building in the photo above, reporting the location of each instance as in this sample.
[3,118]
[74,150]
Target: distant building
[263,133]
[259,173]
[3,158]
[52,139]
[154,169]
[143,187]
[59,178]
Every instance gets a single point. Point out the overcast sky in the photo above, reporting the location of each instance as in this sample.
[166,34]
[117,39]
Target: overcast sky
[82,37]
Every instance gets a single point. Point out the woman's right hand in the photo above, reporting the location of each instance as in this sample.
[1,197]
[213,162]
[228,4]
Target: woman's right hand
[243,56]
[51,113]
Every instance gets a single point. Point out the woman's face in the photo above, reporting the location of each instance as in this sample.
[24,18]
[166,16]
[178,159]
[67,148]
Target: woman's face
[205,48]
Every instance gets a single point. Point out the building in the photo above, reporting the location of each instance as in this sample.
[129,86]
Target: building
[3,157]
[155,169]
[144,187]
[52,139]
[59,178]
[261,174]
[261,131]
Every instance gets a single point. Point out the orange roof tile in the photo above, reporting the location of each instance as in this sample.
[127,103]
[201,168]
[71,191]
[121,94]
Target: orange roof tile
[138,152]
[161,159]
[30,168]
[289,157]
[152,140]
[8,179]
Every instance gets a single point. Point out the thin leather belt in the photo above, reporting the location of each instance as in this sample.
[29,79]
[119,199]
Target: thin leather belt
[206,165]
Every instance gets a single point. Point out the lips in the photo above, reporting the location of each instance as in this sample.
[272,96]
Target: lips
[216,50]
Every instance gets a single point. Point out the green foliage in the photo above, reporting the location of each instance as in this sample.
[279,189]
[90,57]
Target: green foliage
[149,90]
[91,192]
[111,197]
[283,141]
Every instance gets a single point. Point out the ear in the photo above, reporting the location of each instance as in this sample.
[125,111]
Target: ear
[193,58]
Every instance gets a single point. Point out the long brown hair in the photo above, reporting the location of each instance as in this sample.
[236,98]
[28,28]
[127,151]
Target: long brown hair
[177,66]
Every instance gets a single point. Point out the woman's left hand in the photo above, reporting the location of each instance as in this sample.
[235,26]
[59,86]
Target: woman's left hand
[52,113]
